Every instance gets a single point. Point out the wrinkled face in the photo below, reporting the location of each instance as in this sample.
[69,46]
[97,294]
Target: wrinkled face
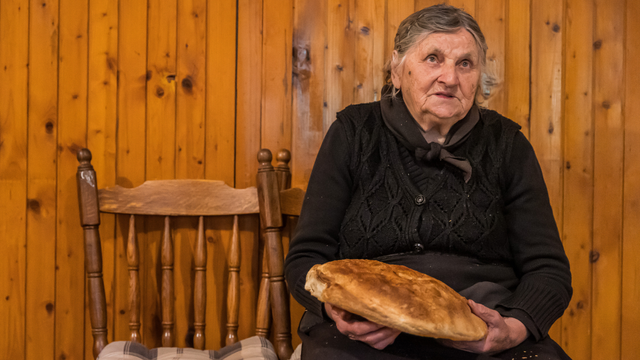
[439,77]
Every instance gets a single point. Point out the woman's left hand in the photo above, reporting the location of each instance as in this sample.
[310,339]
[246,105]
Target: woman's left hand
[502,333]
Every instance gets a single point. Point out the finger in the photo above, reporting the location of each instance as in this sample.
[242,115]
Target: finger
[380,338]
[357,328]
[336,313]
[490,316]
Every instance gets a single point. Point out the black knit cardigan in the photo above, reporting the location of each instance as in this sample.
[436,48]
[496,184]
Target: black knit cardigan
[369,197]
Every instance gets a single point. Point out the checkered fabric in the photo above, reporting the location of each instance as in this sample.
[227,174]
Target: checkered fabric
[253,348]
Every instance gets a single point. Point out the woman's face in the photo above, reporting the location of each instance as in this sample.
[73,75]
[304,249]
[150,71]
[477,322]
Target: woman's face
[439,78]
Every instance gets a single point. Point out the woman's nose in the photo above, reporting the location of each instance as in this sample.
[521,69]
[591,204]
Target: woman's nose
[448,74]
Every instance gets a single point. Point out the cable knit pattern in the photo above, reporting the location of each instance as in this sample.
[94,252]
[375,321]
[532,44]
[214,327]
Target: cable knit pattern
[453,216]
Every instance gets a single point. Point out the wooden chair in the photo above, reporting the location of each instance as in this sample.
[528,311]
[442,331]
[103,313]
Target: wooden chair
[197,198]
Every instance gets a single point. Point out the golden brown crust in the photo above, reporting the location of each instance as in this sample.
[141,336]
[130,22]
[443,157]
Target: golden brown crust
[396,296]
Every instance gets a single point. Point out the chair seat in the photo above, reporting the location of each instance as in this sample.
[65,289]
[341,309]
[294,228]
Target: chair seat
[255,347]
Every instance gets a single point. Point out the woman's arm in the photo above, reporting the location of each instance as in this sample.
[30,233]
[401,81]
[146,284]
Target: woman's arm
[545,289]
[327,197]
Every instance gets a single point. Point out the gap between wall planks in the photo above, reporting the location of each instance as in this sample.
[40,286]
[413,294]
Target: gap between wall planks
[14,22]
[630,347]
[578,174]
[608,178]
[41,183]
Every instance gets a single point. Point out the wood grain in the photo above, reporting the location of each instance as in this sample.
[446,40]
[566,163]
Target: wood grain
[492,18]
[578,175]
[517,63]
[608,183]
[630,330]
[41,182]
[14,29]
[72,130]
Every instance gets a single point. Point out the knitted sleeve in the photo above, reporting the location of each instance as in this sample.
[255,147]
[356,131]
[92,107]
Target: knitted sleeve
[327,197]
[545,289]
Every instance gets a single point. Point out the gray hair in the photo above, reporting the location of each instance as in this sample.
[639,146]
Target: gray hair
[440,18]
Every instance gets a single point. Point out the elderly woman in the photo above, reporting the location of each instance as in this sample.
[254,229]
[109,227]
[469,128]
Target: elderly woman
[427,179]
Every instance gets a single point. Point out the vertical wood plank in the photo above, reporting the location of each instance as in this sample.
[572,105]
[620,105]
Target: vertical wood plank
[578,174]
[101,134]
[72,133]
[276,72]
[467,5]
[517,75]
[130,148]
[14,30]
[491,17]
[192,16]
[308,86]
[41,184]
[631,207]
[398,10]
[221,91]
[340,60]
[546,101]
[249,91]
[363,63]
[190,136]
[608,178]
[160,149]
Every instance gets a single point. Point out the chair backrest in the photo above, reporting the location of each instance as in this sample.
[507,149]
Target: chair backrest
[195,198]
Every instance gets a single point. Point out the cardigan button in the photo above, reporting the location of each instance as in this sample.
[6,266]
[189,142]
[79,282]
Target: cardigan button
[420,199]
[418,247]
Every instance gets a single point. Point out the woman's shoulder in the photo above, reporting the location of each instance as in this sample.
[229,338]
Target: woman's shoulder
[359,114]
[494,118]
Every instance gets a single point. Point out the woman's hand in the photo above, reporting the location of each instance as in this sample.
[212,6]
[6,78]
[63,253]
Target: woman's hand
[502,333]
[375,335]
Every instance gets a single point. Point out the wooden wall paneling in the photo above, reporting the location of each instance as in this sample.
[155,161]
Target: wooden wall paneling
[363,65]
[190,132]
[468,5]
[219,152]
[249,91]
[608,178]
[14,32]
[309,39]
[101,135]
[578,174]
[131,144]
[340,60]
[221,91]
[248,142]
[546,102]
[41,183]
[276,71]
[379,35]
[160,151]
[190,136]
[631,206]
[398,10]
[492,18]
[517,75]
[72,135]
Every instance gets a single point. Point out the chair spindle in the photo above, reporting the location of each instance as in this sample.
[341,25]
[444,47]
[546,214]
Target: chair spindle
[200,291]
[233,294]
[90,220]
[133,259]
[167,285]
[263,313]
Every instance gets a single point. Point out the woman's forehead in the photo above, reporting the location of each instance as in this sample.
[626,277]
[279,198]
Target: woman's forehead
[460,43]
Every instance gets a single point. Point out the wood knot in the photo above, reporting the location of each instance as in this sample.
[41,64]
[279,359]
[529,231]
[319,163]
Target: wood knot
[555,28]
[568,165]
[49,308]
[149,75]
[339,67]
[365,30]
[159,92]
[34,205]
[606,105]
[593,256]
[597,45]
[48,127]
[187,84]
[580,305]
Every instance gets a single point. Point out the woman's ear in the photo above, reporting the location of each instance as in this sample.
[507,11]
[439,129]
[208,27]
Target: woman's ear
[396,70]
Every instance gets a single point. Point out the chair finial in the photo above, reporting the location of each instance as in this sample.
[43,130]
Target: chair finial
[84,156]
[284,156]
[265,157]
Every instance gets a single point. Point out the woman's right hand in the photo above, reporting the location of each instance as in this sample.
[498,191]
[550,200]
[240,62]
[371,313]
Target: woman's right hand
[375,335]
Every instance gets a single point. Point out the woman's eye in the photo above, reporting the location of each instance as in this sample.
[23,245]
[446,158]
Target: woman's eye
[465,64]
[431,58]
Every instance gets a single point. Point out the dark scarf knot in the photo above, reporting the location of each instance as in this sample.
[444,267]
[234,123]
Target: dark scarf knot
[407,130]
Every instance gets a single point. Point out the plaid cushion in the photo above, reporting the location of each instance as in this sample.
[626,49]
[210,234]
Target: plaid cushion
[252,348]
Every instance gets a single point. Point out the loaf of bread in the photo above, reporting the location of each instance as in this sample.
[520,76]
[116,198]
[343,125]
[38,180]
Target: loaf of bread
[397,297]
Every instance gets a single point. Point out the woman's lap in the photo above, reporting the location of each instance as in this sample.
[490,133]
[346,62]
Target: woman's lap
[324,342]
